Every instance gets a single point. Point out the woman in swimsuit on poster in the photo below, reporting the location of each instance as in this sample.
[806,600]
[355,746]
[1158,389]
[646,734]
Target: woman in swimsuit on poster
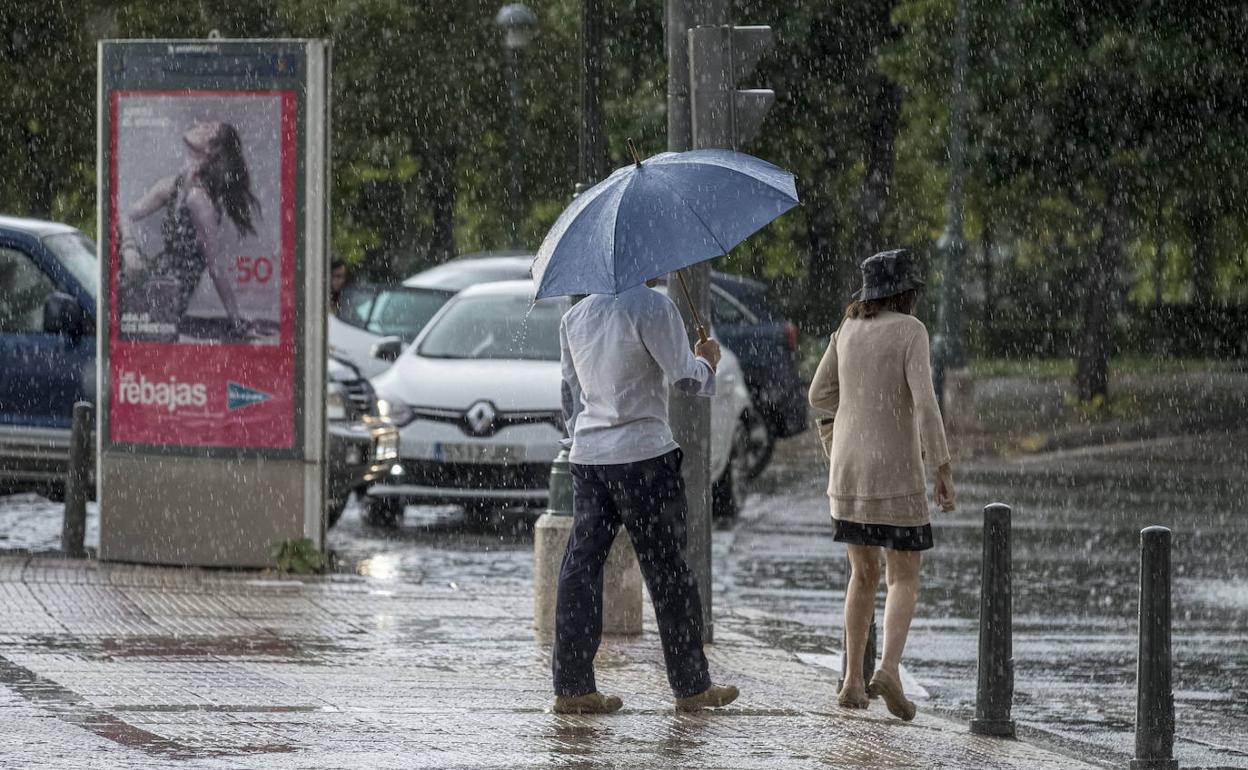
[212,185]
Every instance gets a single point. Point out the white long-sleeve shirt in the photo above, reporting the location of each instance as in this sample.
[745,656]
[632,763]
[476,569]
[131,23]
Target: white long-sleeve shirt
[620,353]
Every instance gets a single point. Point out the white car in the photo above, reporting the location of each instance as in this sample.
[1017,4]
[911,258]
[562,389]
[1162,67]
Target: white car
[373,316]
[477,401]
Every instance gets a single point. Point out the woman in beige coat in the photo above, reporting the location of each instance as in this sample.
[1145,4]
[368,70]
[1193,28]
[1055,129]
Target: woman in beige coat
[875,382]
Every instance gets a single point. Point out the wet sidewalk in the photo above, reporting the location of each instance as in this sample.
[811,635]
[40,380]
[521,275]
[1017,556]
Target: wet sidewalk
[134,667]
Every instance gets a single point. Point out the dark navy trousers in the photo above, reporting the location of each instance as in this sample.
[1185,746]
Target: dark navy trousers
[648,498]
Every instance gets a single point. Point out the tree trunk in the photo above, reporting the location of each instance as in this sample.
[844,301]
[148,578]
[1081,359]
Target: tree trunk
[826,287]
[1102,296]
[440,191]
[1200,235]
[988,243]
[41,193]
[878,174]
[1159,274]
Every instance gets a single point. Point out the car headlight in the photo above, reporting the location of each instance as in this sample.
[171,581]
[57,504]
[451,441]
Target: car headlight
[395,410]
[388,446]
[335,402]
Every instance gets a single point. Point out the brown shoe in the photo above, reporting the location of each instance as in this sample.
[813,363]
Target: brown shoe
[712,697]
[593,703]
[888,687]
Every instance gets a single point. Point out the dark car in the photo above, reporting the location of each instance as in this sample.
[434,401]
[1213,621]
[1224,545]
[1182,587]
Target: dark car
[49,279]
[765,343]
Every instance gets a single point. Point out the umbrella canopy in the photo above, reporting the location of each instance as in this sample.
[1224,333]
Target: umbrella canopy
[657,216]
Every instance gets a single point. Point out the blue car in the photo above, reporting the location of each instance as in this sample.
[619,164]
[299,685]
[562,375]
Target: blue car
[48,282]
[49,279]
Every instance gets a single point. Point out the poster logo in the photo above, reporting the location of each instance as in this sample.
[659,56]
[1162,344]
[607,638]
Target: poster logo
[238,396]
[168,394]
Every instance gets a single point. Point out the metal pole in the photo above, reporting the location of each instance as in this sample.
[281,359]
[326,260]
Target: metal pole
[691,415]
[678,18]
[515,151]
[951,345]
[1154,705]
[593,160]
[74,525]
[995,692]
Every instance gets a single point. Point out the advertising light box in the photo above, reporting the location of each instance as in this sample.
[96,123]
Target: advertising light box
[212,236]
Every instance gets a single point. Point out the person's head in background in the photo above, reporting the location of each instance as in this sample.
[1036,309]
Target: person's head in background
[337,280]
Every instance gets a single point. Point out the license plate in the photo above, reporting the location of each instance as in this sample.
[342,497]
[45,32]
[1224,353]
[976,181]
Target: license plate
[478,453]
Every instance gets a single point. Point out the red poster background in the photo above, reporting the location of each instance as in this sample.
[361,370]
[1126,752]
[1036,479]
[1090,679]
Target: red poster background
[269,369]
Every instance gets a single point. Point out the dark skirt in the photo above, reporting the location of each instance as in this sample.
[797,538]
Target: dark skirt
[883,535]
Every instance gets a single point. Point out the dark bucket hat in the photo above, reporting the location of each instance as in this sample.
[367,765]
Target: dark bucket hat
[886,274]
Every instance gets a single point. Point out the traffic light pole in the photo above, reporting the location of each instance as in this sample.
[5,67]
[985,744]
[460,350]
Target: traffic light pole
[691,415]
[706,58]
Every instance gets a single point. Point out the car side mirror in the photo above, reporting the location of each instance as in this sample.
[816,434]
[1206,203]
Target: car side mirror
[62,315]
[387,349]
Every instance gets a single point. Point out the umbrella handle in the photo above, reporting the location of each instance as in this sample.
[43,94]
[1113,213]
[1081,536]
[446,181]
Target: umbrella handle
[680,274]
[633,150]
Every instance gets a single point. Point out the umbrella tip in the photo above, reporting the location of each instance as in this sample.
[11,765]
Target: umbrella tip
[633,150]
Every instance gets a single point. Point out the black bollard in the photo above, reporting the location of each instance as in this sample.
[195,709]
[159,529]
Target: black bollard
[995,692]
[868,652]
[74,526]
[1154,703]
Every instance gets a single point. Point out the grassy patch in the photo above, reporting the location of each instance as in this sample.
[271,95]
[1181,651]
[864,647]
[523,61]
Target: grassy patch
[298,556]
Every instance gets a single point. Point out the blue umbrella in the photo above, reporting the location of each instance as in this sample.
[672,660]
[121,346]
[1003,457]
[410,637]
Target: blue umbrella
[655,217]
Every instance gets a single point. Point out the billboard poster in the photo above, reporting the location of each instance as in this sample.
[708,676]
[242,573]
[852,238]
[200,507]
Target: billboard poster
[201,315]
[203,147]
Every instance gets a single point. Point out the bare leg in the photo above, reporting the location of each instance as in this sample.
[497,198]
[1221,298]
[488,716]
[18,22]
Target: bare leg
[902,576]
[864,578]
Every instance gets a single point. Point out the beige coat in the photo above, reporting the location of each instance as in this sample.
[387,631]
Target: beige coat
[875,380]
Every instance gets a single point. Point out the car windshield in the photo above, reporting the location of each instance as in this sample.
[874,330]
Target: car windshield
[496,327]
[77,253]
[398,312]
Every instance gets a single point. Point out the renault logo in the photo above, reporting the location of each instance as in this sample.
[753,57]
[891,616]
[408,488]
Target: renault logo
[480,418]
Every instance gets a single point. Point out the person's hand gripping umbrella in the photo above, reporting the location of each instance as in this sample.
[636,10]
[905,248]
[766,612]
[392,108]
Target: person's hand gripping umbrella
[655,217]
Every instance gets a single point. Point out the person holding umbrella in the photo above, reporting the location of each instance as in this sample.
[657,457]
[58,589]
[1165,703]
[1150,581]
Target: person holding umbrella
[622,347]
[620,353]
[875,382]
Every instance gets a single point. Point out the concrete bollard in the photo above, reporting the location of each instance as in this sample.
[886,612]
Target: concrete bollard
[1154,703]
[74,524]
[621,600]
[995,691]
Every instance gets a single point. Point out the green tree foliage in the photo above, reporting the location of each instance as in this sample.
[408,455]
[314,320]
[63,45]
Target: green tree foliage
[1106,157]
[1102,134]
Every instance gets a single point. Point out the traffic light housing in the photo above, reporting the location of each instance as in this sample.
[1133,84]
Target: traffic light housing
[720,57]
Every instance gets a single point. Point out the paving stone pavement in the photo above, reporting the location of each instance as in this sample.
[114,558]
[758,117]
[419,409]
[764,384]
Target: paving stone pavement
[117,666]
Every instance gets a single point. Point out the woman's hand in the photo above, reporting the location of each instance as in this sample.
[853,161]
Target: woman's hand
[944,487]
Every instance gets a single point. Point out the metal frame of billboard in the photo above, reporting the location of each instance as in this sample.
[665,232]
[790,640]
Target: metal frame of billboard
[294,70]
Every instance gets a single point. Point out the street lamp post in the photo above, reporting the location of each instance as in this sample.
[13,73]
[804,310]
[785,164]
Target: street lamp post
[517,23]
